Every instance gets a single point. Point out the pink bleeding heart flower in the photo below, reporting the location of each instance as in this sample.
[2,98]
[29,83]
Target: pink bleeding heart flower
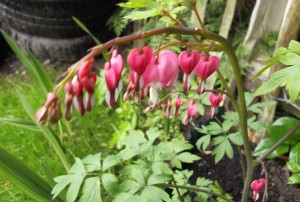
[111,83]
[130,86]
[205,68]
[257,186]
[167,68]
[191,111]
[215,100]
[177,106]
[85,68]
[68,100]
[116,63]
[88,83]
[78,93]
[51,111]
[168,108]
[161,73]
[138,60]
[187,62]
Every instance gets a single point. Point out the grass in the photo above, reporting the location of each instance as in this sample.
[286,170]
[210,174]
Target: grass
[90,133]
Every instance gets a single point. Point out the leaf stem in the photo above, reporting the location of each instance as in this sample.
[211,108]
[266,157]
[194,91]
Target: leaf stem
[197,189]
[177,190]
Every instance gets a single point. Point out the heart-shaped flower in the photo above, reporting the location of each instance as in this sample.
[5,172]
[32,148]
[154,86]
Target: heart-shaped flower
[205,68]
[138,59]
[187,62]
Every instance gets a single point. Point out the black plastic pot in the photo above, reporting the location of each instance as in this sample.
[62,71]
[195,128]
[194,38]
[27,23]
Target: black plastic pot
[46,28]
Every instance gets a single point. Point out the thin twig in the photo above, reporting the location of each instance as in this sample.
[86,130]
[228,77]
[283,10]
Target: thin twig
[199,18]
[265,172]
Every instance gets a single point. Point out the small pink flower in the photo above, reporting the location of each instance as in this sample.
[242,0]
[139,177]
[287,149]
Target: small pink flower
[85,68]
[205,68]
[111,83]
[177,106]
[113,73]
[168,109]
[187,62]
[257,186]
[51,111]
[191,111]
[215,100]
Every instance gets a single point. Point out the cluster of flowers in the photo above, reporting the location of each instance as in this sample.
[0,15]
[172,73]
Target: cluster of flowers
[257,186]
[150,72]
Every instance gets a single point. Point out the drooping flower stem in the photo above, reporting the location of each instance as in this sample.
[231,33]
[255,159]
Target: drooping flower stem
[242,110]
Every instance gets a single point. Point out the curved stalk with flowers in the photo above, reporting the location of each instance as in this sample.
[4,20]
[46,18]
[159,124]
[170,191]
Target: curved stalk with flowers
[152,74]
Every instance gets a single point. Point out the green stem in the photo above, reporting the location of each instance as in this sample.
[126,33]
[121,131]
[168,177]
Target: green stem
[166,120]
[242,110]
[177,190]
[242,162]
[278,143]
[196,189]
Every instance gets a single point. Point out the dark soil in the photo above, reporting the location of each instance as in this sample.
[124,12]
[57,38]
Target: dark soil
[229,175]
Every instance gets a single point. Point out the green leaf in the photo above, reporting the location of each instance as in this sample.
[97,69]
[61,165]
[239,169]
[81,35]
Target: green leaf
[91,190]
[152,134]
[180,145]
[92,162]
[271,63]
[130,186]
[281,126]
[294,167]
[47,132]
[156,194]
[110,183]
[135,4]
[221,149]
[30,125]
[267,87]
[157,179]
[226,125]
[289,59]
[282,149]
[219,139]
[203,142]
[161,168]
[294,179]
[187,157]
[236,138]
[256,107]
[294,156]
[24,178]
[78,173]
[31,64]
[139,15]
[110,161]
[61,183]
[294,46]
[86,30]
[263,146]
[203,182]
